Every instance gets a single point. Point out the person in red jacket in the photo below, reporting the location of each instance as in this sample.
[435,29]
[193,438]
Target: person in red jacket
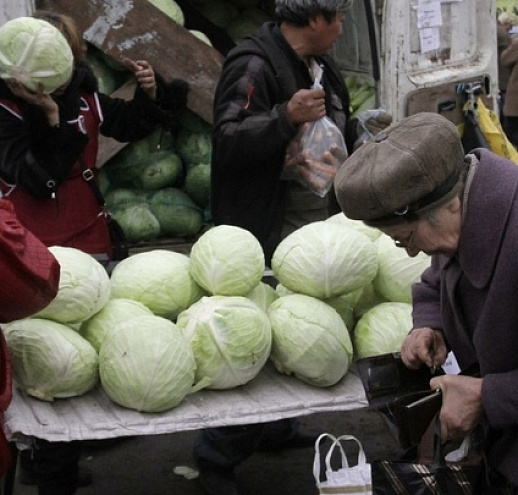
[50,143]
[30,280]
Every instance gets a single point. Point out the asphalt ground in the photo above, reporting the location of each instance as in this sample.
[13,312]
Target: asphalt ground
[148,465]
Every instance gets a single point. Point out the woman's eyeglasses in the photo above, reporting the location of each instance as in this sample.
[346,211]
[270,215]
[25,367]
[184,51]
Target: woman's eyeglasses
[408,244]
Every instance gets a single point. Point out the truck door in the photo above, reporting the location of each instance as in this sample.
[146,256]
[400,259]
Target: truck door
[421,55]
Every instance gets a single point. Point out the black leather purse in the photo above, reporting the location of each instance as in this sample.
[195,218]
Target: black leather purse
[402,394]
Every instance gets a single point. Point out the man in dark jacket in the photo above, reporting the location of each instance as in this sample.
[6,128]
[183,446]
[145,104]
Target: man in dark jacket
[415,184]
[264,96]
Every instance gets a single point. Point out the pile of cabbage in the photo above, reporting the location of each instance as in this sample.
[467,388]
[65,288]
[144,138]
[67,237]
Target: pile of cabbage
[165,325]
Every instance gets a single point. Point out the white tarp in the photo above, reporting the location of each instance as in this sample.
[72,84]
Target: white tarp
[267,397]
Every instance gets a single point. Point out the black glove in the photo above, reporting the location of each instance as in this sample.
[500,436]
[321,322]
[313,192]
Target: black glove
[174,97]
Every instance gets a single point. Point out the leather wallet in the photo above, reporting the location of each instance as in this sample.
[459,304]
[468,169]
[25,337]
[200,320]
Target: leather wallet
[403,394]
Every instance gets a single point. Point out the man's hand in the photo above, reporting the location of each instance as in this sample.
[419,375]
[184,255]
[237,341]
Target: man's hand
[424,346]
[379,121]
[306,105]
[462,406]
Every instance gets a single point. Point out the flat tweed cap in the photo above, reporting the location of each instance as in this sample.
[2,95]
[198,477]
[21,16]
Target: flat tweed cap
[407,167]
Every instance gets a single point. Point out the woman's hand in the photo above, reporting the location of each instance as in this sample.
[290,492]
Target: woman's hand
[462,407]
[424,346]
[38,98]
[145,75]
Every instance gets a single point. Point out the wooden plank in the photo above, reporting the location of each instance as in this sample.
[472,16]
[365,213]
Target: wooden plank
[138,30]
[9,9]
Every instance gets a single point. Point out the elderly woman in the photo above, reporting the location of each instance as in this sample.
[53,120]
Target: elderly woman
[414,183]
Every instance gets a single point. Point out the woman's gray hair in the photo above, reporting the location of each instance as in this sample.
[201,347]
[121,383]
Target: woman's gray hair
[300,12]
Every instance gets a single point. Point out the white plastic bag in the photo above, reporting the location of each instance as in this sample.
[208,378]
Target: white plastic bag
[345,480]
[316,153]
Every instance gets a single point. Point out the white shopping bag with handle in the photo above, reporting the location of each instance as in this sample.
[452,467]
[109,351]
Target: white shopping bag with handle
[346,480]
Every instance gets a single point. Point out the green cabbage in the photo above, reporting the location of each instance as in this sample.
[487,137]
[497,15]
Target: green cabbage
[114,312]
[397,271]
[35,52]
[197,184]
[231,339]
[84,287]
[382,329]
[171,9]
[146,364]
[310,340]
[159,279]
[323,259]
[163,169]
[176,212]
[49,359]
[138,222]
[241,27]
[371,232]
[194,147]
[263,295]
[201,36]
[227,261]
[219,12]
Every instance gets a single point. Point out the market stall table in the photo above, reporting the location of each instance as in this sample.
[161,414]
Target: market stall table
[269,396]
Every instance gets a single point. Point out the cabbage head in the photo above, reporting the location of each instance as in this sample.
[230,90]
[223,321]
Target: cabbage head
[50,360]
[371,232]
[146,364]
[176,212]
[397,271]
[310,340]
[194,147]
[344,305]
[138,222]
[114,312]
[84,287]
[35,52]
[263,295]
[159,279]
[231,339]
[323,260]
[171,9]
[382,329]
[227,261]
[163,169]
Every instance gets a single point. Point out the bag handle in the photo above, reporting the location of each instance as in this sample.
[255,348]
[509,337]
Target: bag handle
[361,453]
[336,444]
[316,460]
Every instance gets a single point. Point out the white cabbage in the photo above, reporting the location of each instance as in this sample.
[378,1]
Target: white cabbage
[231,339]
[227,261]
[171,9]
[146,364]
[35,52]
[263,295]
[49,359]
[397,271]
[382,329]
[114,312]
[159,279]
[310,340]
[340,219]
[323,259]
[84,287]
